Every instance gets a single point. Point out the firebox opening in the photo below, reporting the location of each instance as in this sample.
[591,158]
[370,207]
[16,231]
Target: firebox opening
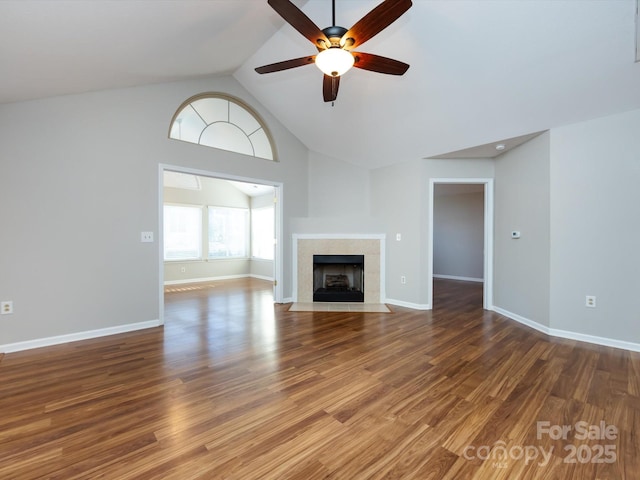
[338,278]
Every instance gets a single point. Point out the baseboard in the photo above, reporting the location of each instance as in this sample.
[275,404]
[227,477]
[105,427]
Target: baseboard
[454,277]
[604,341]
[204,279]
[214,279]
[261,277]
[74,337]
[581,337]
[414,306]
[524,321]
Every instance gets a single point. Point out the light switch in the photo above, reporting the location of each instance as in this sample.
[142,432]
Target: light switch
[515,234]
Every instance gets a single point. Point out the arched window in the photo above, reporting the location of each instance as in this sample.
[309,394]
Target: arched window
[221,121]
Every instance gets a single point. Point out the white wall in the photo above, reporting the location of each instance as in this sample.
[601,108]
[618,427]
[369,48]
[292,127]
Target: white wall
[400,199]
[337,188]
[397,194]
[458,233]
[595,226]
[339,199]
[79,181]
[521,266]
[260,201]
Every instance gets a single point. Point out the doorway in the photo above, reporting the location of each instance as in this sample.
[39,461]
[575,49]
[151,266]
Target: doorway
[225,202]
[461,265]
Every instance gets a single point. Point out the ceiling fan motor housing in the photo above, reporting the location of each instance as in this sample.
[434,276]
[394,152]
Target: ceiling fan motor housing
[334,34]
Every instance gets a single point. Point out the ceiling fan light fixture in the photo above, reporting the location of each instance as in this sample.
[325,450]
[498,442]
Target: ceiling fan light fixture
[334,61]
[335,42]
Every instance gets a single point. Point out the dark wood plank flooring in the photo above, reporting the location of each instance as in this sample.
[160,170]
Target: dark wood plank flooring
[233,387]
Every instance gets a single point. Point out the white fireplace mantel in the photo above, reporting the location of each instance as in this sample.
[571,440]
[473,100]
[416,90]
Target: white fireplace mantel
[372,246]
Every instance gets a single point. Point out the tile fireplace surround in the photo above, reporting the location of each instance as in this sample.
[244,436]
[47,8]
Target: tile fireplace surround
[305,246]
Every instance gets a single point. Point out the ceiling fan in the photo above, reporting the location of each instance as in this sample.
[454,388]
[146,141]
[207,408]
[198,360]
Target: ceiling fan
[335,44]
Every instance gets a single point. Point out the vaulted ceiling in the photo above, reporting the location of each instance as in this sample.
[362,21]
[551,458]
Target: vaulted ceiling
[482,71]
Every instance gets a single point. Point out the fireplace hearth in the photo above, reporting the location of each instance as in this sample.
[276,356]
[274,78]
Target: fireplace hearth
[338,278]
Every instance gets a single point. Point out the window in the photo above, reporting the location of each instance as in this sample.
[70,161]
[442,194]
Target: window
[223,122]
[182,232]
[262,232]
[228,232]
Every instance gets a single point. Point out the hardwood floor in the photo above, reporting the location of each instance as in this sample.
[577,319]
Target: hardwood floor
[232,387]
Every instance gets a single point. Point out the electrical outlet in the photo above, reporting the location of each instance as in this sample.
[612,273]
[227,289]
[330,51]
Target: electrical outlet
[6,308]
[398,237]
[403,280]
[146,237]
[590,301]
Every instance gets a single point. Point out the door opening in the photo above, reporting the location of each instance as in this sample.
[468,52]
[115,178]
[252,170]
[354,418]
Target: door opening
[461,233]
[236,232]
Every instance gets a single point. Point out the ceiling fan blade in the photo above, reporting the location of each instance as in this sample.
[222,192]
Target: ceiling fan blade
[298,20]
[374,22]
[287,64]
[330,88]
[376,63]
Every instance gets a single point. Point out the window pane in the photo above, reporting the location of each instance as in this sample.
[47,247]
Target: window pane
[227,137]
[243,119]
[262,232]
[182,233]
[261,144]
[188,126]
[228,232]
[212,109]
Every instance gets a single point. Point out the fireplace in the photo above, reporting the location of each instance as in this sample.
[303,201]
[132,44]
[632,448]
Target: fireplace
[306,246]
[338,278]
